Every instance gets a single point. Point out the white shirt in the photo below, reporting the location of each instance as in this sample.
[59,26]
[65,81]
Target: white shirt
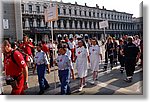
[71,45]
[41,58]
[95,50]
[63,62]
[82,52]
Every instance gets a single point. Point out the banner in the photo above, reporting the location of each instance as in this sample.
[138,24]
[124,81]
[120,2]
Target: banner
[103,24]
[51,14]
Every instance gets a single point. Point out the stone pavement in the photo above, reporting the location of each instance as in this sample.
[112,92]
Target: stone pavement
[108,83]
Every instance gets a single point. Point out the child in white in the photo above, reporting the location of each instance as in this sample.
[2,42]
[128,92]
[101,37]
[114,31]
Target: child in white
[82,62]
[95,55]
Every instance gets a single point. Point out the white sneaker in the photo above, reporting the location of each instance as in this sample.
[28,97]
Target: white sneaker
[80,89]
[92,82]
[84,85]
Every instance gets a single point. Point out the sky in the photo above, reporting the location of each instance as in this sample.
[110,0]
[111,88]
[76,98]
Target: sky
[128,6]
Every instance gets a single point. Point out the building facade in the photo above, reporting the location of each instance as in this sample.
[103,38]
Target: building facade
[75,19]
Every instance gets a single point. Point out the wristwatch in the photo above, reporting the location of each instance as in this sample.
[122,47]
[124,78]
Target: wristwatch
[25,83]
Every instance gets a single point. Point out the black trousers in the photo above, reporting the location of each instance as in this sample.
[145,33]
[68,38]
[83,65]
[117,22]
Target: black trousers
[108,56]
[130,66]
[121,60]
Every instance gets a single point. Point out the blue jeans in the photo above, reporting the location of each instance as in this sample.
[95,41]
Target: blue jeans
[64,77]
[41,70]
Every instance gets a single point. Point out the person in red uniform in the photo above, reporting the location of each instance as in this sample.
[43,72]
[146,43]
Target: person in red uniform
[16,68]
[27,46]
[44,47]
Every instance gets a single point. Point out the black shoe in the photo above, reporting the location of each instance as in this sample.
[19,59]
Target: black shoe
[121,71]
[46,87]
[41,92]
[128,80]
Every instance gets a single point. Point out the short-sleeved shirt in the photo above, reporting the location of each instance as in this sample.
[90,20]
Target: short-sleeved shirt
[27,48]
[41,58]
[131,51]
[63,62]
[11,68]
[45,48]
[82,52]
[95,50]
[71,45]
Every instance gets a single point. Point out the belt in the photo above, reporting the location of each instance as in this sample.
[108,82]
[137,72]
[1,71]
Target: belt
[63,69]
[40,63]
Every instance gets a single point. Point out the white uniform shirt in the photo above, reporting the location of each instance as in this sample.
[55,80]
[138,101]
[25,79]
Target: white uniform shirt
[95,50]
[82,52]
[41,58]
[71,45]
[68,52]
[63,62]
[82,61]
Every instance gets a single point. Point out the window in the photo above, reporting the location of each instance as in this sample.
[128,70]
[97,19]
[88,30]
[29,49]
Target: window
[38,9]
[70,11]
[93,14]
[101,15]
[98,15]
[85,13]
[30,8]
[58,10]
[64,11]
[90,14]
[75,12]
[80,13]
[22,7]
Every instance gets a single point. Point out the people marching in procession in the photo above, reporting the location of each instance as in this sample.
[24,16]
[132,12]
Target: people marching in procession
[73,56]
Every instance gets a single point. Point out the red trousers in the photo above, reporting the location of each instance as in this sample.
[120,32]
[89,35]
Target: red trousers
[19,90]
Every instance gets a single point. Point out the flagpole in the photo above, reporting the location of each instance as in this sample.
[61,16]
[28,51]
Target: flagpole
[52,33]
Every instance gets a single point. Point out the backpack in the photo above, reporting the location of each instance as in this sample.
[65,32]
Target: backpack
[12,57]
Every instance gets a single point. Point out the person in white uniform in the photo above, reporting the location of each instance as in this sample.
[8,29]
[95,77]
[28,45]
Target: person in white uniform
[64,67]
[95,55]
[82,58]
[41,63]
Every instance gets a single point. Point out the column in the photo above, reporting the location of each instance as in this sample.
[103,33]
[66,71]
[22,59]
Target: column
[55,25]
[26,8]
[91,13]
[27,23]
[87,12]
[78,12]
[110,26]
[34,23]
[119,26]
[42,23]
[67,10]
[78,25]
[34,8]
[49,24]
[92,26]
[72,11]
[73,24]
[114,26]
[41,8]
[122,26]
[96,26]
[61,10]
[83,25]
[82,12]
[61,24]
[88,26]
[95,13]
[67,26]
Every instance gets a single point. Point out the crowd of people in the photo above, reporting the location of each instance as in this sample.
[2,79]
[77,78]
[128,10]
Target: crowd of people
[85,52]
